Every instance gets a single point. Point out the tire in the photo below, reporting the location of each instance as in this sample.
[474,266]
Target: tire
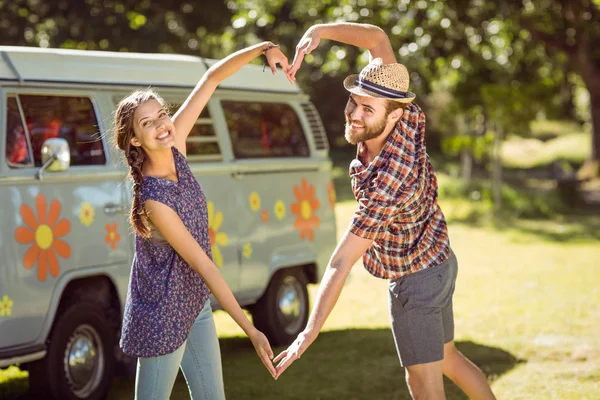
[71,370]
[282,312]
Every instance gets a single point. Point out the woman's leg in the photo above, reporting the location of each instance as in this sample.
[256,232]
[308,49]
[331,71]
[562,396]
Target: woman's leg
[156,375]
[201,364]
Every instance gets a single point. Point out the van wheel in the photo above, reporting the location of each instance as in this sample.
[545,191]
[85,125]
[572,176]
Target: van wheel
[282,312]
[79,363]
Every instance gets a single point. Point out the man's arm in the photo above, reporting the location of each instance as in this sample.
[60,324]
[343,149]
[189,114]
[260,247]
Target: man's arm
[366,36]
[347,252]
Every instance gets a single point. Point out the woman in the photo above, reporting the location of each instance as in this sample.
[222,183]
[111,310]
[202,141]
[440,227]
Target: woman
[168,320]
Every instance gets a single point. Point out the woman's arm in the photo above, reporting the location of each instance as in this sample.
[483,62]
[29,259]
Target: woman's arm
[170,226]
[185,118]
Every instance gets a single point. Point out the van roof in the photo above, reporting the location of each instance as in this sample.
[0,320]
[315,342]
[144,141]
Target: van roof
[38,65]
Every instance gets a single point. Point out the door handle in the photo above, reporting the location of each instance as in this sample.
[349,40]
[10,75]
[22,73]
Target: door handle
[237,175]
[111,208]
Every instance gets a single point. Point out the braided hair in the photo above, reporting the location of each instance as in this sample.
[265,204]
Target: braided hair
[134,155]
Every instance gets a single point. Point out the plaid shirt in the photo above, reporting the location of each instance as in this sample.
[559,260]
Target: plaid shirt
[397,203]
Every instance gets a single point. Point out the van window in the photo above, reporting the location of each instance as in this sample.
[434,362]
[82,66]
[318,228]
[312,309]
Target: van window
[202,143]
[261,130]
[70,118]
[18,151]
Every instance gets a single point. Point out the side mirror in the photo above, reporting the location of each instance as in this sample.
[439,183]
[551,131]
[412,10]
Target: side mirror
[56,156]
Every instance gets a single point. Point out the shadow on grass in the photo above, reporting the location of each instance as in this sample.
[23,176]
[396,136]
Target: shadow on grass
[344,364]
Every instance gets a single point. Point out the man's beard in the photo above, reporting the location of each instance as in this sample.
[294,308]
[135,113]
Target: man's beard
[369,131]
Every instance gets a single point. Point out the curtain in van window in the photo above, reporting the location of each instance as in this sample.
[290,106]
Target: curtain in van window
[260,130]
[70,118]
[17,149]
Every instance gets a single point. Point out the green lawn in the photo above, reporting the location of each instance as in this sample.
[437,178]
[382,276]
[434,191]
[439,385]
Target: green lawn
[527,311]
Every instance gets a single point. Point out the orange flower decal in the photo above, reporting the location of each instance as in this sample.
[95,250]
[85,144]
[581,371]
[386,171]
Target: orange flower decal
[331,193]
[264,216]
[112,237]
[305,208]
[43,233]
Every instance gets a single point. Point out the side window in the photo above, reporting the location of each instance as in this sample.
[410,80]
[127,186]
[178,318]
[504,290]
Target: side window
[70,118]
[260,130]
[18,152]
[202,143]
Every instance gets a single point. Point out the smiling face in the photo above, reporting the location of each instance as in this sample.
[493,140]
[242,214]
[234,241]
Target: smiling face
[152,126]
[367,118]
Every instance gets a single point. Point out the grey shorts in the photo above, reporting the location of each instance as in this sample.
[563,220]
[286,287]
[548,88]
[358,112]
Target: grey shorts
[421,312]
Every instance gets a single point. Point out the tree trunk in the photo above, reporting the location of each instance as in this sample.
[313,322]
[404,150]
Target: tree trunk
[590,74]
[497,163]
[595,113]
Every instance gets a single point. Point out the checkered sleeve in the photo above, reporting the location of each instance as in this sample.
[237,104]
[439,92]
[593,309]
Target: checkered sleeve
[374,213]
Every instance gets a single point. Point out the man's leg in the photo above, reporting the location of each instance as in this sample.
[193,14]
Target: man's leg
[465,374]
[416,304]
[425,381]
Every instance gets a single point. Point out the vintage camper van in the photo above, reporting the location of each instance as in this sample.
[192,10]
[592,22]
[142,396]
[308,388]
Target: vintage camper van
[258,150]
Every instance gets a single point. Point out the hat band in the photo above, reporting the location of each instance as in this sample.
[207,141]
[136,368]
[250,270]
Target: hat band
[381,90]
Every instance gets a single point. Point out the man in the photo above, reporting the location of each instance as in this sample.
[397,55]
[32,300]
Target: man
[399,229]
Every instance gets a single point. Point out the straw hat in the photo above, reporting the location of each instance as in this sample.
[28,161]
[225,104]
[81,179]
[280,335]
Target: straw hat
[386,81]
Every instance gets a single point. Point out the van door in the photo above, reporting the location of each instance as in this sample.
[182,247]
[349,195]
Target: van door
[283,188]
[59,225]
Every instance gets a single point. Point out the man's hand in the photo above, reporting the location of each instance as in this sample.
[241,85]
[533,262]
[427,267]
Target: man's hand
[292,353]
[308,43]
[263,349]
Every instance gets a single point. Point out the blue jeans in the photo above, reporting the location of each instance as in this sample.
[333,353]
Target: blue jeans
[200,361]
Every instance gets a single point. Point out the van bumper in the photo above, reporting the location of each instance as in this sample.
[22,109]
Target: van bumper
[22,355]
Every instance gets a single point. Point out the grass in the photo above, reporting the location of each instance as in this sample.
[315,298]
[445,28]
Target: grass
[527,311]
[550,141]
[530,152]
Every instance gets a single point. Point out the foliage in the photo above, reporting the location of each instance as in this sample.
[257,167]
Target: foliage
[535,55]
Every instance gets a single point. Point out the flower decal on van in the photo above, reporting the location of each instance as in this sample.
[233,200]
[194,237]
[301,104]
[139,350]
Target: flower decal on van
[86,213]
[254,201]
[247,251]
[280,209]
[216,238]
[6,306]
[331,193]
[43,233]
[307,204]
[112,237]
[264,216]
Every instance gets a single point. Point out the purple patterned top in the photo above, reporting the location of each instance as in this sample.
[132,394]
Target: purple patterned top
[165,294]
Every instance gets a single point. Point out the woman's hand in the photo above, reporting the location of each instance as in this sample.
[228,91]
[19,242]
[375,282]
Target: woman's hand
[263,349]
[275,56]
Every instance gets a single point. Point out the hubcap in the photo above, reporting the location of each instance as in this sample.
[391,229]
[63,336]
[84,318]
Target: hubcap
[84,361]
[291,304]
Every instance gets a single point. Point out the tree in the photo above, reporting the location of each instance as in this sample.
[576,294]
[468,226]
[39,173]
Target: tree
[454,46]
[118,25]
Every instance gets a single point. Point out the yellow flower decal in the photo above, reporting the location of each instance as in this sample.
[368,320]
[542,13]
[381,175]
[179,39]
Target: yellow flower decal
[254,201]
[305,209]
[86,213]
[279,209]
[6,307]
[247,250]
[216,238]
